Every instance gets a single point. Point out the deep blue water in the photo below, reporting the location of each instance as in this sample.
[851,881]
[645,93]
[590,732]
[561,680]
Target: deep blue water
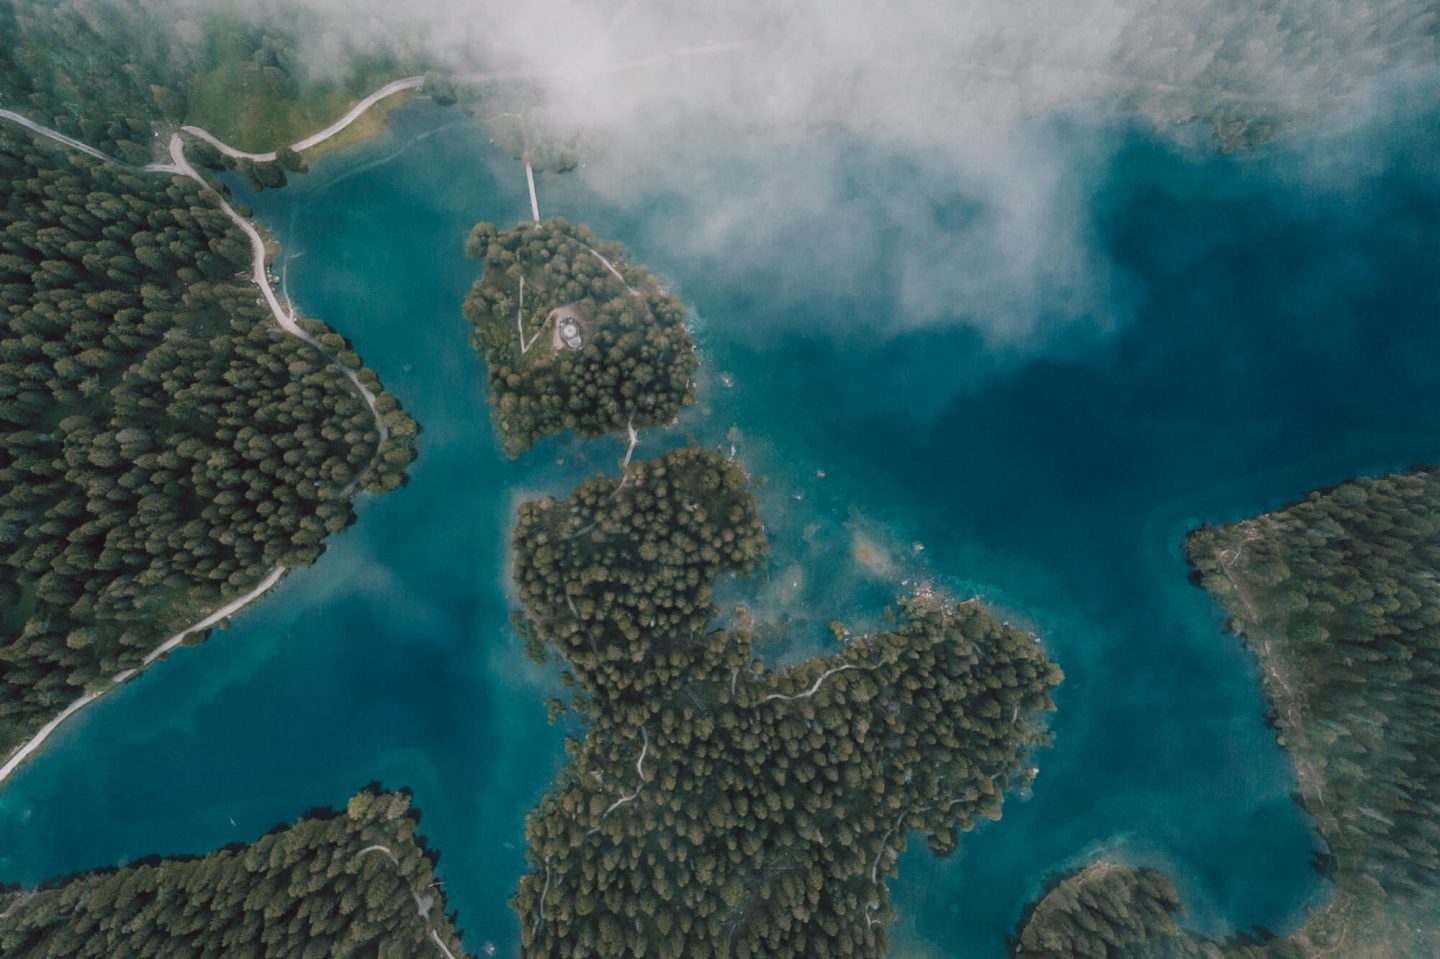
[1268,326]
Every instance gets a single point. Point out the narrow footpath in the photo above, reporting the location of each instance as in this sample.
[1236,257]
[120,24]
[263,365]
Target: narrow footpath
[300,146]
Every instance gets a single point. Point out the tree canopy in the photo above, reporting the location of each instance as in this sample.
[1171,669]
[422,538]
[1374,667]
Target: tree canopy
[163,445]
[1106,911]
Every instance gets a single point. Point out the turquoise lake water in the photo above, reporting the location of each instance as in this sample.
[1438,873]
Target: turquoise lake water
[1274,329]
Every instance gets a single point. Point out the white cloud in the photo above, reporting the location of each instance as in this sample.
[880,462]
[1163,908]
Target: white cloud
[748,114]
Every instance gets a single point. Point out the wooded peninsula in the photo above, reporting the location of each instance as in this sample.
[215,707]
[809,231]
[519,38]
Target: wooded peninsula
[357,882]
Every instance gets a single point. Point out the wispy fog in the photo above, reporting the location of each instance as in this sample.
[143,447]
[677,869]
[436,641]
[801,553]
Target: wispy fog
[913,68]
[992,230]
[989,199]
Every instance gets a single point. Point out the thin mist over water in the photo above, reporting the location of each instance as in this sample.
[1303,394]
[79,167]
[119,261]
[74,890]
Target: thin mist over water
[952,96]
[1264,333]
[916,71]
[993,238]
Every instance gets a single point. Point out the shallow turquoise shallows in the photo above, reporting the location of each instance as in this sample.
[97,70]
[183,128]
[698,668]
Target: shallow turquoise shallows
[1268,327]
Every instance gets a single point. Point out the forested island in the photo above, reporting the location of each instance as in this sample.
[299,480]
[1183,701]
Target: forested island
[619,580]
[162,445]
[574,337]
[1338,598]
[719,807]
[338,883]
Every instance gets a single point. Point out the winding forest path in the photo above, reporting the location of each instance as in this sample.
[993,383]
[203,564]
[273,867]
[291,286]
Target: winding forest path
[283,317]
[315,139]
[816,687]
[180,166]
[229,609]
[609,266]
[422,906]
[639,772]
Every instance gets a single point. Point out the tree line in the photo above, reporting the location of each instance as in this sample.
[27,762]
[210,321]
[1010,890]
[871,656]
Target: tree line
[1106,911]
